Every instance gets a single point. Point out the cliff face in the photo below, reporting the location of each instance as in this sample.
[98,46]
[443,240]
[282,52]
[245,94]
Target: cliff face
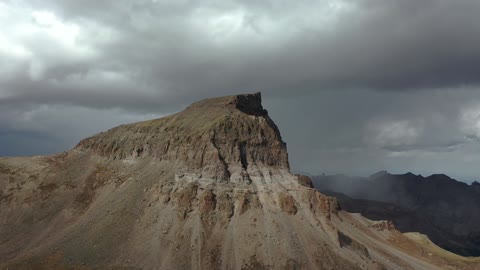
[216,139]
[206,188]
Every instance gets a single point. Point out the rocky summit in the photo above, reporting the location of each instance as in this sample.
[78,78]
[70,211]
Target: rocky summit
[219,140]
[207,188]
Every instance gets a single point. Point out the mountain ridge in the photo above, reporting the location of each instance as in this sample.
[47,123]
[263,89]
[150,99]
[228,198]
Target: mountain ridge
[439,206]
[206,188]
[218,143]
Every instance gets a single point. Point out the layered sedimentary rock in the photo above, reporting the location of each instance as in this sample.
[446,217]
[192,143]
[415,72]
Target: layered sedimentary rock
[207,188]
[214,139]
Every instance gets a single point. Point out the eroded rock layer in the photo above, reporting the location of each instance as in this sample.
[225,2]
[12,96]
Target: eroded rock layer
[215,139]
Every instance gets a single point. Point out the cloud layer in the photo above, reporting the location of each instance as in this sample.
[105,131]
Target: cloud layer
[71,68]
[86,52]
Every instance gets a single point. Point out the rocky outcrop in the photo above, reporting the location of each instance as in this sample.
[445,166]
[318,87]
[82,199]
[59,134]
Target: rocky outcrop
[382,225]
[346,241]
[215,139]
[305,180]
[287,203]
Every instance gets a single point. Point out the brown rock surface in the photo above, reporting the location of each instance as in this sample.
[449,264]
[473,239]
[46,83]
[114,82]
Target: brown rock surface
[305,180]
[382,225]
[287,203]
[215,138]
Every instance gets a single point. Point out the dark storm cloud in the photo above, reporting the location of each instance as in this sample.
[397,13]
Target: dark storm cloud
[377,84]
[362,131]
[181,51]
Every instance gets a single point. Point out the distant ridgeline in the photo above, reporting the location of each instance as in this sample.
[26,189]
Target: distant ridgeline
[446,210]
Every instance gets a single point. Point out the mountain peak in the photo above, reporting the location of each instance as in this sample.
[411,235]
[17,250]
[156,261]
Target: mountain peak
[247,103]
[379,174]
[223,139]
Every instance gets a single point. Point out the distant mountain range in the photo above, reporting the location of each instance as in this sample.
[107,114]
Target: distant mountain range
[446,210]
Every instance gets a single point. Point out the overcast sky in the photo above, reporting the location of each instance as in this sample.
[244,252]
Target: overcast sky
[356,86]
